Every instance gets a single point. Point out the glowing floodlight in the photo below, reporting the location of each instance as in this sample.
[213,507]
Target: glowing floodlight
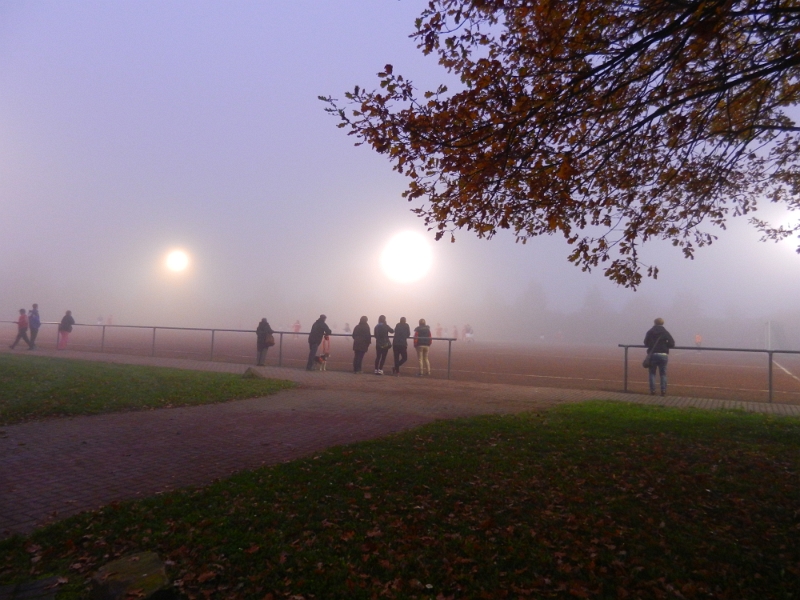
[177,261]
[407,257]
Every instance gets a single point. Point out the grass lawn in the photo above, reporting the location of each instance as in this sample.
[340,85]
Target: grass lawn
[37,387]
[598,500]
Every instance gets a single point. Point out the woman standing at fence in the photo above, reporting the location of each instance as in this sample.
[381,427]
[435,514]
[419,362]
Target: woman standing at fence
[64,329]
[422,343]
[264,340]
[361,341]
[658,341]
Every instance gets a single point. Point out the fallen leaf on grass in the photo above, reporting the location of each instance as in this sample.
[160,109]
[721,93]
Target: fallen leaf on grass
[207,576]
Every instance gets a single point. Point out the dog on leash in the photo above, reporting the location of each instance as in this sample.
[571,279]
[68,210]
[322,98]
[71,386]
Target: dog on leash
[322,362]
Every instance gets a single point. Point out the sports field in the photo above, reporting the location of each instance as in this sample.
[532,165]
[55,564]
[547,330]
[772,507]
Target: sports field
[706,374]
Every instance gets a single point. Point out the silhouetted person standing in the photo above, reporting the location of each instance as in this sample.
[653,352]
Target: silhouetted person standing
[382,343]
[422,342]
[64,329]
[658,341]
[402,331]
[263,338]
[318,331]
[34,322]
[362,338]
[22,330]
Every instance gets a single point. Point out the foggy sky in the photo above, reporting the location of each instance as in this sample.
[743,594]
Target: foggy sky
[130,128]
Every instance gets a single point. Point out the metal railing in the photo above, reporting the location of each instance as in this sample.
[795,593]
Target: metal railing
[215,331]
[769,353]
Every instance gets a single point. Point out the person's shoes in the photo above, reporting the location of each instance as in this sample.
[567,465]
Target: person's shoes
[663,393]
[11,347]
[32,348]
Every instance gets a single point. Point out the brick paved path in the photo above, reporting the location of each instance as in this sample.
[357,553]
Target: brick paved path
[59,467]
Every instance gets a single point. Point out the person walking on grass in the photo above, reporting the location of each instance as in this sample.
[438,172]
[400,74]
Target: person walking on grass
[422,343]
[658,341]
[264,340]
[64,329]
[318,331]
[361,342]
[34,322]
[382,343]
[400,345]
[22,330]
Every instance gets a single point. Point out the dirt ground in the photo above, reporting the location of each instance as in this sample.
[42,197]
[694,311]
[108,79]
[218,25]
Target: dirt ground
[705,374]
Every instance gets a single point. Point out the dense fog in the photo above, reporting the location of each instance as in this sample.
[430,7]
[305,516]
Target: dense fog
[128,129]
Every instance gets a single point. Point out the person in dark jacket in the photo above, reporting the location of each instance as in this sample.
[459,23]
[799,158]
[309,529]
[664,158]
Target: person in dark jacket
[361,341]
[422,342]
[64,329]
[318,331]
[658,341]
[382,343]
[35,322]
[402,332]
[263,333]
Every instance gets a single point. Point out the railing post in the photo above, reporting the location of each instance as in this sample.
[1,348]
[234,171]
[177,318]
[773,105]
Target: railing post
[213,331]
[280,351]
[449,353]
[770,375]
[103,340]
[625,376]
[153,347]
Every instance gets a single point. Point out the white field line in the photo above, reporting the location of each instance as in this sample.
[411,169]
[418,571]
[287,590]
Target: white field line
[785,370]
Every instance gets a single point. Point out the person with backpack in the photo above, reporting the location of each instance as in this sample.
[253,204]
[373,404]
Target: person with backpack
[264,340]
[64,329]
[422,343]
[658,341]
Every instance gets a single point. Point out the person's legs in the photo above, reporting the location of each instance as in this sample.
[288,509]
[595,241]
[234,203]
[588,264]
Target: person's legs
[63,337]
[312,354]
[17,339]
[419,357]
[383,354]
[400,357]
[260,356]
[34,333]
[662,371]
[358,358]
[426,364]
[651,372]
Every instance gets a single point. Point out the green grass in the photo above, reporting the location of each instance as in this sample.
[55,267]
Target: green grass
[599,500]
[40,387]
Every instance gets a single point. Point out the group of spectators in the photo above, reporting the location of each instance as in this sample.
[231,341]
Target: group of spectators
[33,322]
[386,338]
[658,341]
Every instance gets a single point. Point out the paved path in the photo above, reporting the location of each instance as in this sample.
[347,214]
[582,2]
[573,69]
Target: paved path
[59,467]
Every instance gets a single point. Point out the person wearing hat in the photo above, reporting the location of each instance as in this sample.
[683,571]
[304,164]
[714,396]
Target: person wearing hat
[658,341]
[318,331]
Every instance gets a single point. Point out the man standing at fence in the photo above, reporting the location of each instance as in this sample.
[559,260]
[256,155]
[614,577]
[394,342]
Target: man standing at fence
[34,322]
[658,341]
[318,331]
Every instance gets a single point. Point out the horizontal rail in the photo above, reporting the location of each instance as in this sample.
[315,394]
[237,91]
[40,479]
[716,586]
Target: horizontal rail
[214,330]
[769,353]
